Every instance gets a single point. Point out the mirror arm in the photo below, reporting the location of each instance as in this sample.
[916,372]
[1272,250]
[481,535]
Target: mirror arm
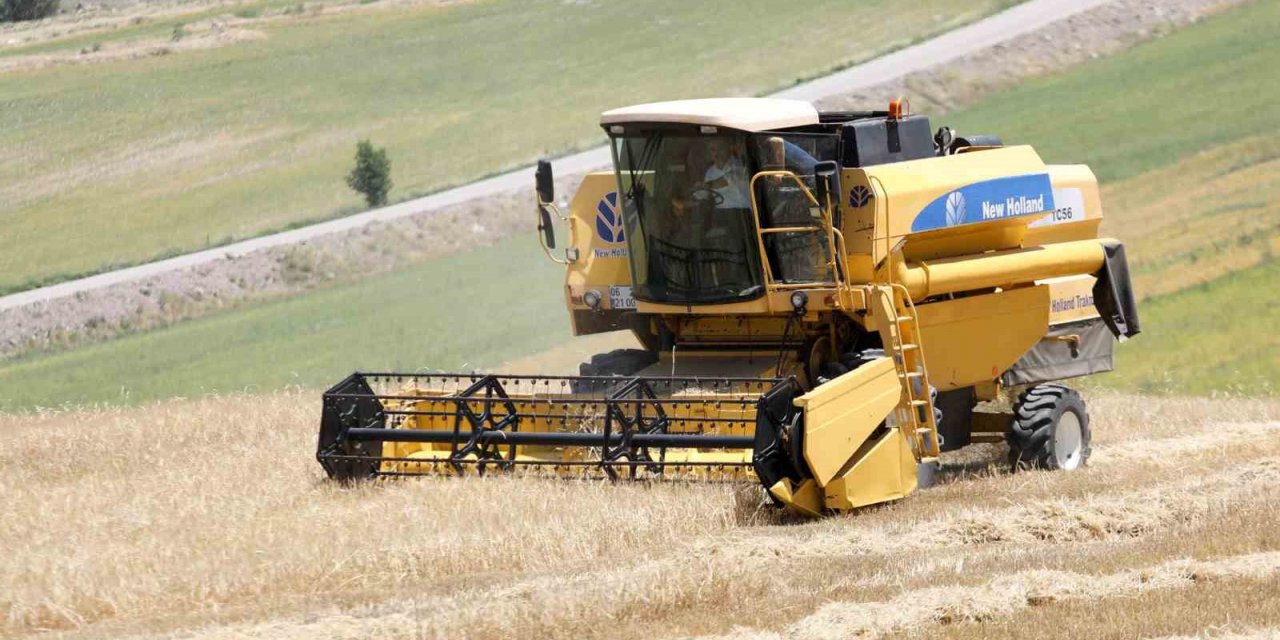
[547,233]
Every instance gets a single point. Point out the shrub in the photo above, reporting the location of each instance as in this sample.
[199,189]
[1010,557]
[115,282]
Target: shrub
[18,10]
[372,174]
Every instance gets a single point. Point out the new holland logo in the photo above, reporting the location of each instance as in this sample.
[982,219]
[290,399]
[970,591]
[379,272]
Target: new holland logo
[995,199]
[609,219]
[859,196]
[955,209]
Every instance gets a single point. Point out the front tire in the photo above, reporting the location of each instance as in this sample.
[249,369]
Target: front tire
[619,362]
[1050,429]
[616,363]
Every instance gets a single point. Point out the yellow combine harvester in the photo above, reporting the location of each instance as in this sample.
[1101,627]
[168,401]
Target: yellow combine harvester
[788,272]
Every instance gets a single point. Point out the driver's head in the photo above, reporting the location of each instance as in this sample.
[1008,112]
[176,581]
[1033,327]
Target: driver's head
[720,150]
[696,161]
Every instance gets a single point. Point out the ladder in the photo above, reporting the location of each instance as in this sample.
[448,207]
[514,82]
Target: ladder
[915,412]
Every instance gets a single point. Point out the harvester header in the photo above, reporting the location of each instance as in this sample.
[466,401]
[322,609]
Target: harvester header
[786,271]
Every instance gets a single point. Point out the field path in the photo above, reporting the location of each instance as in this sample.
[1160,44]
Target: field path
[1011,23]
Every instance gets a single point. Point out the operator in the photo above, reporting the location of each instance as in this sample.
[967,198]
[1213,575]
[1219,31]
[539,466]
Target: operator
[727,175]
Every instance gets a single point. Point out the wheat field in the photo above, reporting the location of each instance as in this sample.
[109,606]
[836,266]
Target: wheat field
[209,518]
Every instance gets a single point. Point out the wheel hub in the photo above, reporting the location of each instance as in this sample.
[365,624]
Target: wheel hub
[1068,441]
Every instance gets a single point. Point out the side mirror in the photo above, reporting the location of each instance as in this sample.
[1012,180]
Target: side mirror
[545,182]
[544,225]
[544,185]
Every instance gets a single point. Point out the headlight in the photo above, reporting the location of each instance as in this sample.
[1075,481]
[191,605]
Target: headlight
[592,299]
[799,300]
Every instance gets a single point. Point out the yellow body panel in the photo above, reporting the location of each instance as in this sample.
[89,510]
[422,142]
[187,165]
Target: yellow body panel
[884,471]
[601,265]
[883,202]
[1077,208]
[1071,299]
[903,189]
[974,339]
[839,415]
[805,499]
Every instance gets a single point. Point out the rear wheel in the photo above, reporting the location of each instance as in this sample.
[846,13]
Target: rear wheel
[1050,429]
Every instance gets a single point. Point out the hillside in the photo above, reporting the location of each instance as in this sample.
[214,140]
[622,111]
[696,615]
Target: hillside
[1195,198]
[253,110]
[209,518]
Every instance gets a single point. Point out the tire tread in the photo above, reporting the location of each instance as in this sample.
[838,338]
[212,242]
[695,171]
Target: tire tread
[1030,434]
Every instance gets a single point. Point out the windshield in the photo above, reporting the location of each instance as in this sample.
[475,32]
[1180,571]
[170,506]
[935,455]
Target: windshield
[688,216]
[689,222]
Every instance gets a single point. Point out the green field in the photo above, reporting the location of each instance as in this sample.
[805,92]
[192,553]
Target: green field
[1218,337]
[449,314]
[120,162]
[1200,218]
[1207,85]
[1216,171]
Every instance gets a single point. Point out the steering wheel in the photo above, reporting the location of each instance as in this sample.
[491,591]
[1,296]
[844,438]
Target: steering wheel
[706,193]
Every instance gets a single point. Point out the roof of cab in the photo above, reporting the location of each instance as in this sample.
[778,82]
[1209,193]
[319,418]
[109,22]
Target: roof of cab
[746,114]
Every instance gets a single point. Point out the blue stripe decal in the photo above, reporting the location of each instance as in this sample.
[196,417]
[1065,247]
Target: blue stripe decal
[997,199]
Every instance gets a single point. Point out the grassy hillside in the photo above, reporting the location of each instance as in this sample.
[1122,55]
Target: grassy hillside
[121,161]
[1200,218]
[1203,235]
[1219,336]
[457,313]
[1204,86]
[1194,219]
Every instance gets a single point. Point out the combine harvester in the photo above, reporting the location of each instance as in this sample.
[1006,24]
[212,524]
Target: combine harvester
[787,272]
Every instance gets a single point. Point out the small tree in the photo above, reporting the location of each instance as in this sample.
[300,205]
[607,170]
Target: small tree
[372,174]
[18,10]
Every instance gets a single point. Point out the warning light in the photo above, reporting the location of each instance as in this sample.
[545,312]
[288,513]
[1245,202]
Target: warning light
[900,108]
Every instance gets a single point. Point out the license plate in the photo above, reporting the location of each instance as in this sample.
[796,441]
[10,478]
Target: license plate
[621,298]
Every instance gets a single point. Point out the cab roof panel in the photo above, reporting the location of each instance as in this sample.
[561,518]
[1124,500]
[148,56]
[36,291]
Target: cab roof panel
[744,114]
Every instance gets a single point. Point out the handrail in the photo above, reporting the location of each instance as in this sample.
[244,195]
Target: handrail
[827,226]
[791,229]
[843,253]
